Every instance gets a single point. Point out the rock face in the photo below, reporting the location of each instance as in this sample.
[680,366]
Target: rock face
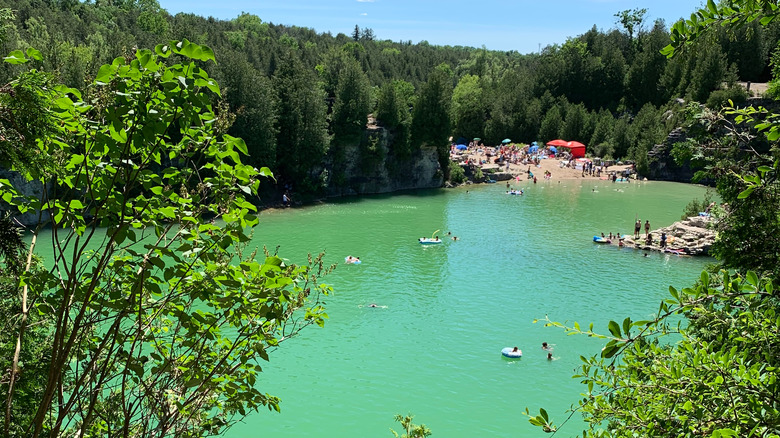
[692,236]
[373,170]
[662,164]
[27,188]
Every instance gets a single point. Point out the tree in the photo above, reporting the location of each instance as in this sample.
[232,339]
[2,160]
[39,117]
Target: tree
[713,378]
[632,20]
[393,112]
[431,116]
[157,314]
[552,125]
[574,127]
[252,99]
[715,373]
[351,107]
[468,108]
[303,139]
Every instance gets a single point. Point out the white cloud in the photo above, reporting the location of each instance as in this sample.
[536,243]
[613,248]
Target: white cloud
[366,1]
[364,14]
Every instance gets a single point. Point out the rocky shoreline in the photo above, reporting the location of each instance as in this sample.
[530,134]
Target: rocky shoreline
[692,236]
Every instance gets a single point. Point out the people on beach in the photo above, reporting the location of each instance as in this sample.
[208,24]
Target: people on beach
[285,199]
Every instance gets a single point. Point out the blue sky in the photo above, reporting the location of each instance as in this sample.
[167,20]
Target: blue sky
[522,25]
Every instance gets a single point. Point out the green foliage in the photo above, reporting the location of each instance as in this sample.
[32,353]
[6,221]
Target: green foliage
[468,108]
[303,139]
[715,376]
[631,20]
[431,116]
[457,174]
[498,94]
[694,207]
[410,429]
[734,96]
[551,125]
[706,364]
[371,154]
[351,107]
[153,316]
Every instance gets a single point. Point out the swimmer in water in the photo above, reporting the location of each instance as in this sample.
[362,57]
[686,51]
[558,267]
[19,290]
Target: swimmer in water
[549,356]
[374,305]
[545,346]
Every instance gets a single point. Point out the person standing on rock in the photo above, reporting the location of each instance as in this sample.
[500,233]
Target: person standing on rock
[647,227]
[637,228]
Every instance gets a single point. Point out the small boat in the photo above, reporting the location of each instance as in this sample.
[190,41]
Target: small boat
[430,241]
[599,239]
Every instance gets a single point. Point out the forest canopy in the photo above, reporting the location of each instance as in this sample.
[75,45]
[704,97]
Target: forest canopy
[604,88]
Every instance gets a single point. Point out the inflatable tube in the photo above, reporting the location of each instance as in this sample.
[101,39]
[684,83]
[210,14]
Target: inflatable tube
[599,239]
[429,241]
[513,354]
[353,261]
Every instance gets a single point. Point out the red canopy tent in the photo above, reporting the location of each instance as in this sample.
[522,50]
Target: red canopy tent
[577,149]
[558,143]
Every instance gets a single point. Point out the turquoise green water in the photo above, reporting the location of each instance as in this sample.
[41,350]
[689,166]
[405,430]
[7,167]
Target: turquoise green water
[434,351]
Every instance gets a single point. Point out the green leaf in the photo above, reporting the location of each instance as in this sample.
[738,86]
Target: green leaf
[16,57]
[614,328]
[609,351]
[711,6]
[162,50]
[264,171]
[105,73]
[34,54]
[752,278]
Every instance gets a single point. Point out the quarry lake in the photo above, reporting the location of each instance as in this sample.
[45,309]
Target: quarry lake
[432,346]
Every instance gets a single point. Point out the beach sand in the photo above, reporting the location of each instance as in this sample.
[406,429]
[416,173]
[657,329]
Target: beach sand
[552,165]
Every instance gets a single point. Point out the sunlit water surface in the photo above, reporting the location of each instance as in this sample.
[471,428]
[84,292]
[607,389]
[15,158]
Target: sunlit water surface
[434,350]
[433,346]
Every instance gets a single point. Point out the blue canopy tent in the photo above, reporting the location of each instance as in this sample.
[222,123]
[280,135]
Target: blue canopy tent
[532,149]
[461,147]
[553,149]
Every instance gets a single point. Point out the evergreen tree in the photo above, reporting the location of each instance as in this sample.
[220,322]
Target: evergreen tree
[351,107]
[431,116]
[552,125]
[302,140]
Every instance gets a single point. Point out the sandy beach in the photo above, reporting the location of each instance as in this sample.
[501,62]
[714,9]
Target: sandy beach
[551,165]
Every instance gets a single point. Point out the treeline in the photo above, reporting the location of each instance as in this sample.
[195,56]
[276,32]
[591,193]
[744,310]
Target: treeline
[299,97]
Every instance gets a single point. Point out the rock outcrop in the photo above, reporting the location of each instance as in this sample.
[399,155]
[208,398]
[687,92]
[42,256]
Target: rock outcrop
[692,236]
[662,165]
[365,170]
[27,188]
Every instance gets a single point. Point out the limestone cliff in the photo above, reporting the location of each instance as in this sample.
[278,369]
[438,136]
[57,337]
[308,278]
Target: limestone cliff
[662,165]
[369,166]
[27,188]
